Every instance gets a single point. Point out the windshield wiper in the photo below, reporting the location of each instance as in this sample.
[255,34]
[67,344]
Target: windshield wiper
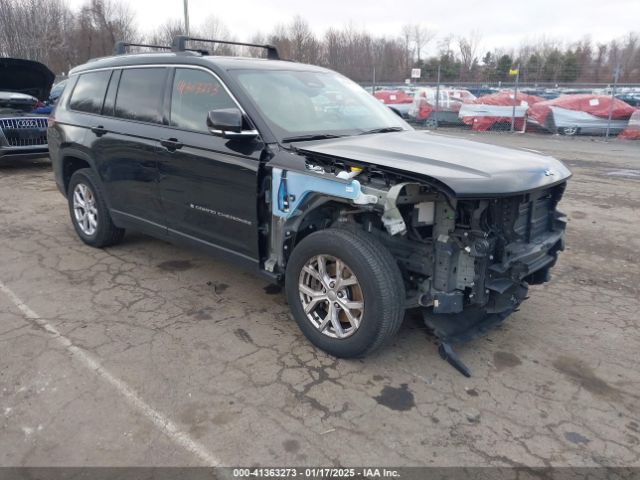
[382,130]
[305,138]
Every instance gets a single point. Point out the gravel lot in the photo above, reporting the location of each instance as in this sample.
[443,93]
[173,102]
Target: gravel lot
[150,354]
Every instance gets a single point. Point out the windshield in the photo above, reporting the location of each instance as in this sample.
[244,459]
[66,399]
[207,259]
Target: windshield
[306,104]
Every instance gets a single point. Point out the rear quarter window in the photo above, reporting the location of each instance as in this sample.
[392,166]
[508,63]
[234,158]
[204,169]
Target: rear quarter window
[89,91]
[141,94]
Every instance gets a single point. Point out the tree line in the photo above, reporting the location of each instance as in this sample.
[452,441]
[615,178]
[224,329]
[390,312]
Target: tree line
[50,32]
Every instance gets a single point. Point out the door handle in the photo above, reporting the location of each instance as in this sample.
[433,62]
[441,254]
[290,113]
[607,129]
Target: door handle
[171,144]
[99,130]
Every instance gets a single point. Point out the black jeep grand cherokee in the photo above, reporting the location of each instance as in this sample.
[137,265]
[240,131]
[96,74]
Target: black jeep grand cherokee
[298,173]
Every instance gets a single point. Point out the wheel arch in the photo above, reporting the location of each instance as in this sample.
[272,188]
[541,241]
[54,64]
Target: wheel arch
[317,212]
[72,161]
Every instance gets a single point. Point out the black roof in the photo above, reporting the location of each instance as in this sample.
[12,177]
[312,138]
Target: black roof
[192,58]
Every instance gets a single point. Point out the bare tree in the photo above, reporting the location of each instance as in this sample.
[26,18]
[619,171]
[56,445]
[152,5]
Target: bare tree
[468,47]
[50,32]
[258,39]
[629,57]
[421,38]
[48,43]
[165,33]
[599,62]
[98,25]
[214,28]
[304,45]
[406,36]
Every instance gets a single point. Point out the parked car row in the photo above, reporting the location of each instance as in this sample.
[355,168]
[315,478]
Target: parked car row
[497,109]
[399,101]
[584,113]
[434,106]
[571,113]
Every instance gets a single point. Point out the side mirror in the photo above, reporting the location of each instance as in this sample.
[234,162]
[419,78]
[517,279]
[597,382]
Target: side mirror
[228,123]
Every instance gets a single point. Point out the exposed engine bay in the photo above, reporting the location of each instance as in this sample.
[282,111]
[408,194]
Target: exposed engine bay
[466,263]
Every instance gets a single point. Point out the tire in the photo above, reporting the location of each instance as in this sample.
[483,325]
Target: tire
[568,131]
[101,232]
[378,287]
[431,123]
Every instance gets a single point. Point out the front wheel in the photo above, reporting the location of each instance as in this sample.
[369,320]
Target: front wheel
[431,122]
[345,292]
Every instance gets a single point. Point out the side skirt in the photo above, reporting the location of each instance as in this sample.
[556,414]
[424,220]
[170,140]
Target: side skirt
[132,222]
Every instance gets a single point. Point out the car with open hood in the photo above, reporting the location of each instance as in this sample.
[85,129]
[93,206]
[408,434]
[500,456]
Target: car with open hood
[24,87]
[298,173]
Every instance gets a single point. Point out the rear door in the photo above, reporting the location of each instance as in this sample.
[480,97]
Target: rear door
[208,184]
[127,146]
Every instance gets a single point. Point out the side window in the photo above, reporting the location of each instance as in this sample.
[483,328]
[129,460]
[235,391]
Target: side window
[89,91]
[193,95]
[110,98]
[140,94]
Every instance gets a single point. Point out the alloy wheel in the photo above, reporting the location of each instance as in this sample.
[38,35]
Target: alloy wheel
[331,296]
[85,209]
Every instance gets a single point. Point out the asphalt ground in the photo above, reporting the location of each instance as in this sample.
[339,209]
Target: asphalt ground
[151,354]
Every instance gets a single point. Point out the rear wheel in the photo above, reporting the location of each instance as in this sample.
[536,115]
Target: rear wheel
[568,131]
[89,212]
[345,292]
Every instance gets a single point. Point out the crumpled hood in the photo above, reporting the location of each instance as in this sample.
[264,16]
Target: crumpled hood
[25,76]
[468,168]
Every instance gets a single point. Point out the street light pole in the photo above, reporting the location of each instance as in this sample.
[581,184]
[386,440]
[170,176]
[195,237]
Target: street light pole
[515,100]
[616,74]
[437,112]
[373,85]
[186,17]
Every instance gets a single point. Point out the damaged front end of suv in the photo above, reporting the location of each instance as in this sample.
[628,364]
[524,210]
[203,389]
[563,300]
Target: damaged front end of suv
[468,241]
[296,171]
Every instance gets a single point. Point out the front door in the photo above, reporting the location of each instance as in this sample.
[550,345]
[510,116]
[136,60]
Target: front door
[208,185]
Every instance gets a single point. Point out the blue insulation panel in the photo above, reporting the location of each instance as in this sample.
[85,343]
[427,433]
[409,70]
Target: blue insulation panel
[290,191]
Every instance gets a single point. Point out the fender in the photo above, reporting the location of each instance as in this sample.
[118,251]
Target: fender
[73,152]
[290,188]
[64,153]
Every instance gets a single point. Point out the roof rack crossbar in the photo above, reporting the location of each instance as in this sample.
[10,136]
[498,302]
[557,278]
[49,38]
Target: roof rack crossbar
[120,48]
[180,43]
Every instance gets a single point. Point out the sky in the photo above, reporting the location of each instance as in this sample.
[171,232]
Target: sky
[501,24]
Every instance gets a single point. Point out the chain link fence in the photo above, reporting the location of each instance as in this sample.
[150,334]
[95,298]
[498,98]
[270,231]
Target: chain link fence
[606,110]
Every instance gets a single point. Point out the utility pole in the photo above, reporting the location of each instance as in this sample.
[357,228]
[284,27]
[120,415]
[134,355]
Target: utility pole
[373,84]
[515,99]
[613,98]
[186,17]
[437,112]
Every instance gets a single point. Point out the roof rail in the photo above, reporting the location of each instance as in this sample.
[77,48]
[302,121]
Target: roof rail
[120,48]
[180,43]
